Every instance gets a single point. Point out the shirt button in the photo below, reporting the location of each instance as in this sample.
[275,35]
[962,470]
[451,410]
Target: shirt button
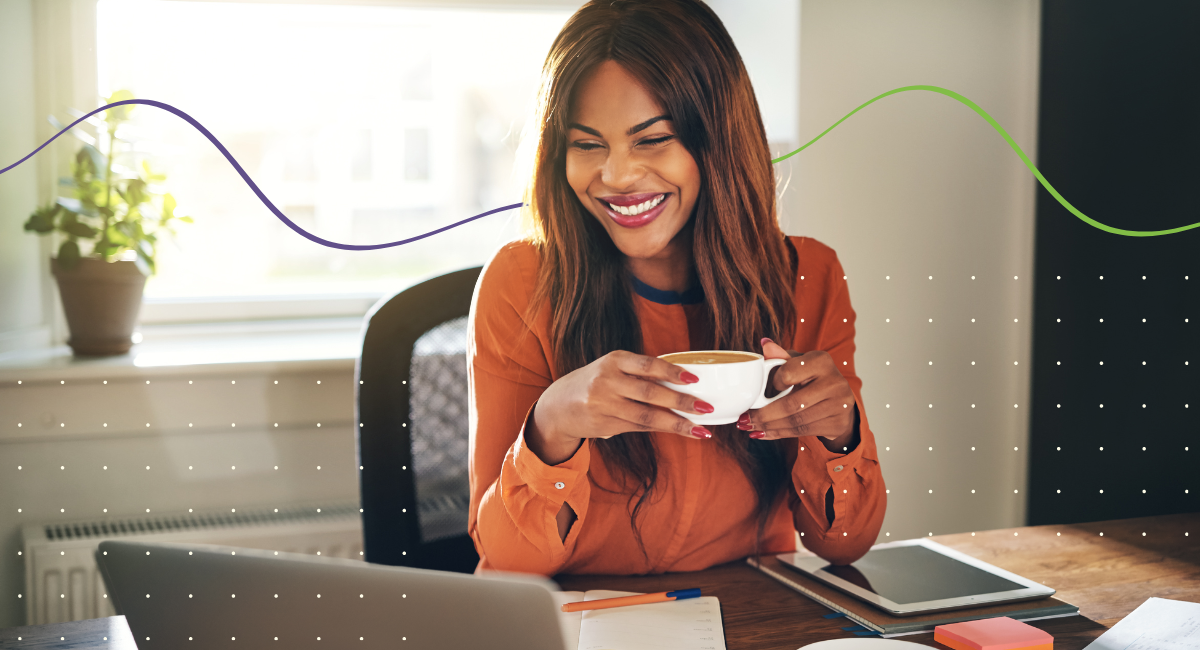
[560,485]
[838,468]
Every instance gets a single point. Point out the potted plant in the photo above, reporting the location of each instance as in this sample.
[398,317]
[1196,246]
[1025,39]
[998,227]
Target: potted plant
[118,212]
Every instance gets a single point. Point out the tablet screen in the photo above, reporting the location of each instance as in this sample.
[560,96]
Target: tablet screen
[914,574]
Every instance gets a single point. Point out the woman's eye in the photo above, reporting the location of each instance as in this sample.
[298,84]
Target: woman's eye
[585,146]
[655,141]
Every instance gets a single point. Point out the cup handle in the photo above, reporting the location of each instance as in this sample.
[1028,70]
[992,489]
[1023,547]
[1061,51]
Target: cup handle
[762,400]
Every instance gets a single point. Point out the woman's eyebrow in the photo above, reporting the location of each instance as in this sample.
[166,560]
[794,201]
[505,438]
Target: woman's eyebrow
[585,129]
[633,129]
[647,123]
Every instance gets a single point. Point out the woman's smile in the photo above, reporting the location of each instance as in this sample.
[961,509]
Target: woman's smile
[635,210]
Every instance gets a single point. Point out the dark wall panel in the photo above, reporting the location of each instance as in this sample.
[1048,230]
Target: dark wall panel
[1119,137]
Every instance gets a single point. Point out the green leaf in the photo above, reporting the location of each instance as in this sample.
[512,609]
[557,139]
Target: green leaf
[79,229]
[39,224]
[135,192]
[98,163]
[151,174]
[115,116]
[74,206]
[116,236]
[105,251]
[145,264]
[186,219]
[42,220]
[68,254]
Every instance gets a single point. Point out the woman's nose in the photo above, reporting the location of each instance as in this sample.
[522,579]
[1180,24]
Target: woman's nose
[621,170]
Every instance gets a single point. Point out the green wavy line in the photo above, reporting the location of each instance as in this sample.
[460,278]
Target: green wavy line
[1025,159]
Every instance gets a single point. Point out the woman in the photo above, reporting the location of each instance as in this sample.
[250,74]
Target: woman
[654,230]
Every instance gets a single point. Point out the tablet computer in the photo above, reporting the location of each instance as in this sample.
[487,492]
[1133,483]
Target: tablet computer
[919,576]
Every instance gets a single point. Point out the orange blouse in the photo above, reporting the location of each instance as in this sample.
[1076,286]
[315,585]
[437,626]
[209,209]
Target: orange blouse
[702,512]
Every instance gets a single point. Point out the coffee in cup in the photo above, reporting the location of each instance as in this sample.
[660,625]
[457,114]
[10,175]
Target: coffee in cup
[732,382]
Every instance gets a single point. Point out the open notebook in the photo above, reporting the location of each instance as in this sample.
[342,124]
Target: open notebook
[691,624]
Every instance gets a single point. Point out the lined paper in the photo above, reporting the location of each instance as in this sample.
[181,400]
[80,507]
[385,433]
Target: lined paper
[690,624]
[1157,624]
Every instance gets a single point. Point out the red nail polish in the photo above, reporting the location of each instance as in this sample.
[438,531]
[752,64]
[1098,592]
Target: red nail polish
[745,426]
[688,377]
[703,406]
[758,435]
[744,419]
[701,432]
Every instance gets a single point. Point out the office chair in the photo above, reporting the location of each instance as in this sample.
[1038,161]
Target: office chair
[411,403]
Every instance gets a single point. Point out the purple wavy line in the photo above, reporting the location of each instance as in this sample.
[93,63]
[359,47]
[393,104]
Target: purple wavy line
[246,177]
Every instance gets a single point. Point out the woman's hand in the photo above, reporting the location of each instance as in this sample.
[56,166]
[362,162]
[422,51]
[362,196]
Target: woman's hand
[616,393]
[822,403]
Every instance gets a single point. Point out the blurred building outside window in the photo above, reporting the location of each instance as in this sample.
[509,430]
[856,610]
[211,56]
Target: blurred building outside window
[363,124]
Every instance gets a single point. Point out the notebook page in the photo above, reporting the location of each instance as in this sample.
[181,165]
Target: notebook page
[568,621]
[690,624]
[1157,624]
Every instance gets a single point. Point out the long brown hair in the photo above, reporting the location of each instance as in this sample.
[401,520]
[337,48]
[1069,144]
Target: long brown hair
[681,52]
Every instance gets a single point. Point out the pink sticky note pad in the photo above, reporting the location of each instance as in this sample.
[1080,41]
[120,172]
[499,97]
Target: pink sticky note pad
[1001,633]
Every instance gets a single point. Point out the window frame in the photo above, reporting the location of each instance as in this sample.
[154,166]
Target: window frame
[73,62]
[156,311]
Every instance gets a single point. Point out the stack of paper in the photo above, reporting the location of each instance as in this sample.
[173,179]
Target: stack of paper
[691,624]
[1159,624]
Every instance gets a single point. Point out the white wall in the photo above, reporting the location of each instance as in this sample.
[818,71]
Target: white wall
[20,254]
[918,185]
[190,426]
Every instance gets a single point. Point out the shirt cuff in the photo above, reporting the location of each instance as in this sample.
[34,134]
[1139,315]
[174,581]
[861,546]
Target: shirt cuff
[816,466]
[815,463]
[554,482]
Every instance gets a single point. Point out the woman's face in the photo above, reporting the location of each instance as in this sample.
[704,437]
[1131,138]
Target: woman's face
[626,164]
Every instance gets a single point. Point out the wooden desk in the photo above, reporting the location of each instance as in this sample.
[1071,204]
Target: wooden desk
[1106,576]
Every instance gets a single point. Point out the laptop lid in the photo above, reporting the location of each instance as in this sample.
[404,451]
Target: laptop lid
[200,596]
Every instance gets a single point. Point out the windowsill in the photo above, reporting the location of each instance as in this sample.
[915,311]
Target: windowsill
[251,346]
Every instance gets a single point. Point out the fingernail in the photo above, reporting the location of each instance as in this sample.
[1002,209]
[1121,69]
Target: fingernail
[703,406]
[701,432]
[744,419]
[758,435]
[688,377]
[745,426]
[765,341]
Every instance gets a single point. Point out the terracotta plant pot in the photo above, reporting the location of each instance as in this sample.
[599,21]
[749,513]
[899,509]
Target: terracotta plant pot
[101,301]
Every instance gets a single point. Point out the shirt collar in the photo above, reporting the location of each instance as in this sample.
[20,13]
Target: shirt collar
[690,297]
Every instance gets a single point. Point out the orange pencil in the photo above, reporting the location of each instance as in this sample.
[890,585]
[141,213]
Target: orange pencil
[623,601]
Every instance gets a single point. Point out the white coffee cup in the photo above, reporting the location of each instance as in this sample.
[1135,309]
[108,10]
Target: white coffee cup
[732,382]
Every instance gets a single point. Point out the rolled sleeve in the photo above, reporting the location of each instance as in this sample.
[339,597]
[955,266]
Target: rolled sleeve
[518,530]
[854,477]
[566,482]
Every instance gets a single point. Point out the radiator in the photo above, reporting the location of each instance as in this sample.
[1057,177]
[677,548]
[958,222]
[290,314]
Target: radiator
[63,583]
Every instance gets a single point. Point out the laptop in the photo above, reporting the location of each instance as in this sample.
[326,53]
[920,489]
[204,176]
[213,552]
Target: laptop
[200,596]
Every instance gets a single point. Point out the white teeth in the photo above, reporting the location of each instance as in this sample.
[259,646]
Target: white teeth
[633,210]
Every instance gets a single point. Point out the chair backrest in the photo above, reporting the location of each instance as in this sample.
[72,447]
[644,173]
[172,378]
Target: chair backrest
[411,401]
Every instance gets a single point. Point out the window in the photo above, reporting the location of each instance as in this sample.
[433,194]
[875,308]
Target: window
[363,124]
